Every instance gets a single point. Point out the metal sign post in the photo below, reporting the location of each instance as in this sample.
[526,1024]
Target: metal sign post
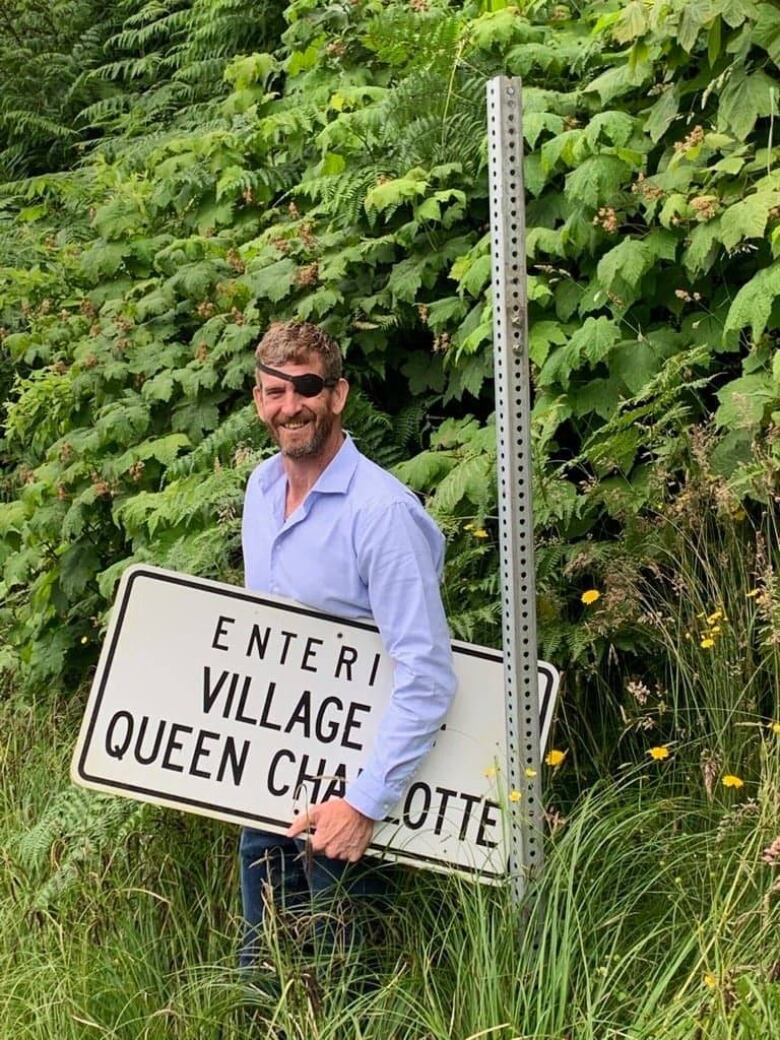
[513,406]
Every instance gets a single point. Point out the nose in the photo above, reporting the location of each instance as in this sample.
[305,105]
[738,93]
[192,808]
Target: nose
[292,403]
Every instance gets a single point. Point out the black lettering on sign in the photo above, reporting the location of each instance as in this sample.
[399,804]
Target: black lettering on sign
[374,669]
[287,637]
[408,807]
[210,693]
[259,641]
[309,652]
[301,715]
[284,753]
[486,821]
[269,697]
[353,723]
[118,750]
[201,752]
[347,657]
[470,800]
[237,763]
[315,778]
[338,783]
[329,734]
[174,745]
[240,716]
[147,759]
[446,794]
[221,632]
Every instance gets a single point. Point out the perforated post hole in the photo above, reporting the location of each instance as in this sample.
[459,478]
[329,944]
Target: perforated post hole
[513,407]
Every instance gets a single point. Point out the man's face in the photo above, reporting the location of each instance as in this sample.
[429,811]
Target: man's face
[301,426]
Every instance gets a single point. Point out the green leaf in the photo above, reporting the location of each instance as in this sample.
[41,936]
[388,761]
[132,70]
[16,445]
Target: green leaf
[495,28]
[78,566]
[535,123]
[274,281]
[424,372]
[446,311]
[406,278]
[615,127]
[632,22]
[744,401]
[477,276]
[597,180]
[634,257]
[319,303]
[766,31]
[542,336]
[748,218]
[753,303]
[703,249]
[744,99]
[662,114]
[628,261]
[395,192]
[103,259]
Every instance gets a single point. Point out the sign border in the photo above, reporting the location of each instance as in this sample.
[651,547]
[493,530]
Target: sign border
[129,578]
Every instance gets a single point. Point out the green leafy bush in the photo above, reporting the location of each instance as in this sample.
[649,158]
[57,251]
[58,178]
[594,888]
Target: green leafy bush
[342,178]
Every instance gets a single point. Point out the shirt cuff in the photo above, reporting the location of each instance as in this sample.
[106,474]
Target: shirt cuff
[370,798]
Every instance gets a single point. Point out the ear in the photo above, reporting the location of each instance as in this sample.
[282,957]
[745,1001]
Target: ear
[257,393]
[339,396]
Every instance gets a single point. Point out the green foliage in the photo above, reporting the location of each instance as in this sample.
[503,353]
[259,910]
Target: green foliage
[332,167]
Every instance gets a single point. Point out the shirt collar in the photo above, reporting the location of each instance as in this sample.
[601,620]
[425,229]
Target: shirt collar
[334,479]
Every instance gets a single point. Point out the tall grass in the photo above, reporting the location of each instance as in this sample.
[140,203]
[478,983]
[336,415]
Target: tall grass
[655,919]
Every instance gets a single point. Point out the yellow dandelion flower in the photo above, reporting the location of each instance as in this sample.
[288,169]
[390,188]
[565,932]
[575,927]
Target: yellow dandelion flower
[490,772]
[716,616]
[707,643]
[775,727]
[469,527]
[554,758]
[590,596]
[658,753]
[715,630]
[530,773]
[515,796]
[729,780]
[709,980]
[480,532]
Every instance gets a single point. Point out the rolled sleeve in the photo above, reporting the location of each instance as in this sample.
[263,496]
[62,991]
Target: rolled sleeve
[399,551]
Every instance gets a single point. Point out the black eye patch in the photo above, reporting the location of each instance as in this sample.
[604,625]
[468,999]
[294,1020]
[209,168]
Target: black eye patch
[307,385]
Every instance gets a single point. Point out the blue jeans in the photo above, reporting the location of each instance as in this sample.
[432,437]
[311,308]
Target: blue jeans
[275,868]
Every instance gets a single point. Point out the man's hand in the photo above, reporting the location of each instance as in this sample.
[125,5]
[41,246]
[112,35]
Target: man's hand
[340,831]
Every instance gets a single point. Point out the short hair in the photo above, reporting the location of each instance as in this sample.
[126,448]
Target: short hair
[294,342]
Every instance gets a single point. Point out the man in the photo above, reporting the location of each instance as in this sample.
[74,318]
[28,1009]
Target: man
[325,526]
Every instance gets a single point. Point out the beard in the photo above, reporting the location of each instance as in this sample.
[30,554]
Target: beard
[309,447]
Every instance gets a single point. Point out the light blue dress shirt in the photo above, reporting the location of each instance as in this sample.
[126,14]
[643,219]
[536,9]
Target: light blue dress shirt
[361,546]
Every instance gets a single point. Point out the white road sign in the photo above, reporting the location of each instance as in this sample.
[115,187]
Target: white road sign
[242,706]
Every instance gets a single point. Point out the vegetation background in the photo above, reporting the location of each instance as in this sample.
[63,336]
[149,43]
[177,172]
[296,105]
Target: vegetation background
[176,173]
